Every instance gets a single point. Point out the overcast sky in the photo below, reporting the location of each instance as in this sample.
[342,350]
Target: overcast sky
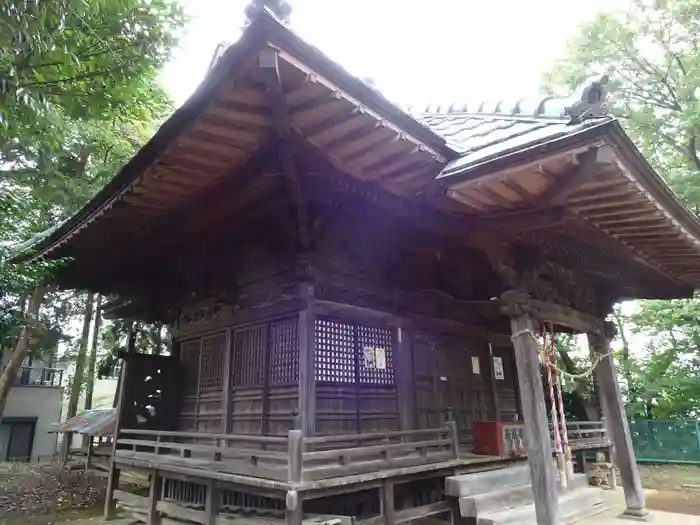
[417,51]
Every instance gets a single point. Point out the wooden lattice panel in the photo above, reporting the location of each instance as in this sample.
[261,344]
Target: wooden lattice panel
[336,355]
[189,356]
[381,338]
[284,352]
[248,363]
[211,371]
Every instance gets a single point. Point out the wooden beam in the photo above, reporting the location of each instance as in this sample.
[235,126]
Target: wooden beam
[590,162]
[514,303]
[523,221]
[307,356]
[156,485]
[616,418]
[538,444]
[268,62]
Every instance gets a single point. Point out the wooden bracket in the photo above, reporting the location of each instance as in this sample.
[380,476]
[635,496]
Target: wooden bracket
[589,163]
[268,61]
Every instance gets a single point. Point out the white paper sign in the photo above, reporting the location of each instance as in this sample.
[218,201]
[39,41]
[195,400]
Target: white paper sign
[370,357]
[380,358]
[475,365]
[375,358]
[498,372]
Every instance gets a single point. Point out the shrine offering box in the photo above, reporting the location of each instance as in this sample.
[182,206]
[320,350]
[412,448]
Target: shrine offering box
[498,438]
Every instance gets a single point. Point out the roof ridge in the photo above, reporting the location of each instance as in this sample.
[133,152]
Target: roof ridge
[588,101]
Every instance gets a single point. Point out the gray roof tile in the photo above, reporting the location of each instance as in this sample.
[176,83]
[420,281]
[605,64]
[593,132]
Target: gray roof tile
[482,130]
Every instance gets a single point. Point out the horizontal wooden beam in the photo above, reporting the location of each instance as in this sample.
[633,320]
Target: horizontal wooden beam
[514,304]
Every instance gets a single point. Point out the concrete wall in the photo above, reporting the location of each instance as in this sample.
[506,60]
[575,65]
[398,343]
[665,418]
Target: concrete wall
[44,403]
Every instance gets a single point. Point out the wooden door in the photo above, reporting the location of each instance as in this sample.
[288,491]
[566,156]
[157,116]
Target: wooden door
[450,372]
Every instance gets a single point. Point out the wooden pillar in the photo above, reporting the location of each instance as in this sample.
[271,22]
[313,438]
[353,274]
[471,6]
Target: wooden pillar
[212,503]
[403,367]
[307,378]
[611,400]
[538,444]
[90,449]
[114,472]
[294,512]
[387,502]
[226,380]
[153,495]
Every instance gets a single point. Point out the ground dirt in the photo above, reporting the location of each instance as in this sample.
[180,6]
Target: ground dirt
[44,494]
[673,488]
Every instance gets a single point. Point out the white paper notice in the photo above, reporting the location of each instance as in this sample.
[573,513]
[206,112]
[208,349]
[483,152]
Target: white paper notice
[475,365]
[380,358]
[498,368]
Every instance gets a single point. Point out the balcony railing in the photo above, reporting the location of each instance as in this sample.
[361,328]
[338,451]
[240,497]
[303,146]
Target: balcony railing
[37,376]
[292,459]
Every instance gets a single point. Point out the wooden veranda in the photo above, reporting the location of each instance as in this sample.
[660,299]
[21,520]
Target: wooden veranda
[351,288]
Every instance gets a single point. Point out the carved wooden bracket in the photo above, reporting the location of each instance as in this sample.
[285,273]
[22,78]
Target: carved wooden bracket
[514,304]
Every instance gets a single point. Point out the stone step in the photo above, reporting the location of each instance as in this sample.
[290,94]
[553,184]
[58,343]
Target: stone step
[573,506]
[487,481]
[507,498]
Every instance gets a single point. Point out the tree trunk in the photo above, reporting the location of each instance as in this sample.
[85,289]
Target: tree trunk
[79,373]
[9,375]
[92,361]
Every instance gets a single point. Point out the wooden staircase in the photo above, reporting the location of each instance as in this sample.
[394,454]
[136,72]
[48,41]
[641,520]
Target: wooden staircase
[504,497]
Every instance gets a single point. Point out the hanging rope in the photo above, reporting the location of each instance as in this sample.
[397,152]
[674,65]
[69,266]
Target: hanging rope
[562,415]
[555,420]
[587,372]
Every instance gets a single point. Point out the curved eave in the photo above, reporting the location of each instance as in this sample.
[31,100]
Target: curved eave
[418,153]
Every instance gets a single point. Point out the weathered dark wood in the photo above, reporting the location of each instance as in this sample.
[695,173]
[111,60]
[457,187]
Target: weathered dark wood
[537,441]
[307,380]
[387,502]
[294,512]
[212,503]
[295,454]
[114,472]
[606,376]
[153,497]
[404,377]
[493,388]
[515,304]
[356,313]
[226,394]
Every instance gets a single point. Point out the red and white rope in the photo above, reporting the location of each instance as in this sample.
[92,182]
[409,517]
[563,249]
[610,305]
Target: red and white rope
[555,423]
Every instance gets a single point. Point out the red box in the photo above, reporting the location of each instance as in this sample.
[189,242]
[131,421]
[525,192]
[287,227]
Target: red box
[498,438]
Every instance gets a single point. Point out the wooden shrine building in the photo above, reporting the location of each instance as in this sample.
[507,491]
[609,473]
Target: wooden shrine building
[350,287]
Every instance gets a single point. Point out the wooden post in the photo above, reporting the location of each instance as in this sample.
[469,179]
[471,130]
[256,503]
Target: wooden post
[114,473]
[88,455]
[538,444]
[212,503]
[493,386]
[294,460]
[294,512]
[606,375]
[226,394]
[404,378]
[307,378]
[387,502]
[153,495]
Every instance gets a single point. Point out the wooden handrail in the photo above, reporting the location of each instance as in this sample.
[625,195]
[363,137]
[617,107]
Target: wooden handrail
[412,447]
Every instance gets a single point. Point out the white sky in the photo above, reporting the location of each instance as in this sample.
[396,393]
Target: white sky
[417,51]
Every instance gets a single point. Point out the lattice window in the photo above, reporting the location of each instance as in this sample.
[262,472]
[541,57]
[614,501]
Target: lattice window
[335,351]
[212,363]
[249,356]
[284,352]
[189,356]
[377,338]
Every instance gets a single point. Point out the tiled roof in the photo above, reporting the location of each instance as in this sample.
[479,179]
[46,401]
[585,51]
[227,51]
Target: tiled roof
[481,131]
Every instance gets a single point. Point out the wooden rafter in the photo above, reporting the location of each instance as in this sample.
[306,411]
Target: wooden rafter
[590,162]
[268,63]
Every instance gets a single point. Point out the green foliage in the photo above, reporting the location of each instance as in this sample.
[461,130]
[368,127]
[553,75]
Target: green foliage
[652,53]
